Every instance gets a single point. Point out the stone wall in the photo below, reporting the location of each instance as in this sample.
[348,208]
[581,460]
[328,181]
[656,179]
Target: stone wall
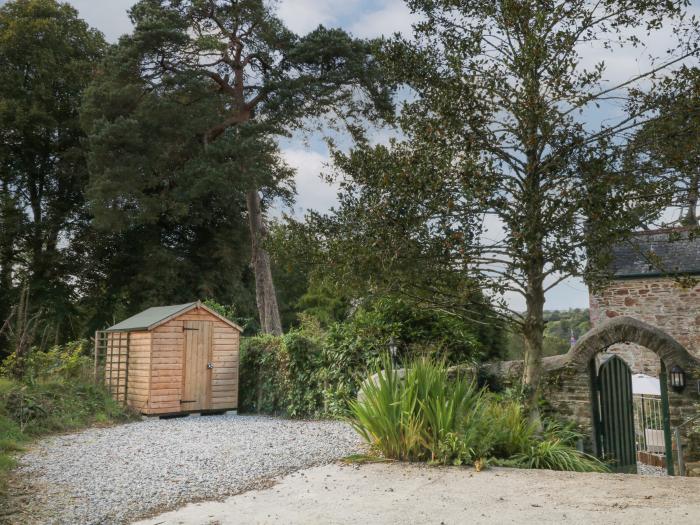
[567,394]
[664,303]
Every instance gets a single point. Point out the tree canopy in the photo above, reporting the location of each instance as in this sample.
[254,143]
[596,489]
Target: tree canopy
[251,80]
[668,145]
[47,57]
[501,178]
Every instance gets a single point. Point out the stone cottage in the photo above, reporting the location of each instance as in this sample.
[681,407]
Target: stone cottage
[656,279]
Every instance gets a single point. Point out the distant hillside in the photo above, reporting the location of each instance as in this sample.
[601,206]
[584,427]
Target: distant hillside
[557,334]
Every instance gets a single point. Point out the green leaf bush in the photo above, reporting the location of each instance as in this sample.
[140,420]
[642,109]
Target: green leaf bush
[282,375]
[420,414]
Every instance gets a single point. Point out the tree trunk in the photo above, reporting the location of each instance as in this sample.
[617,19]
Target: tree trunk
[533,334]
[8,235]
[265,295]
[691,217]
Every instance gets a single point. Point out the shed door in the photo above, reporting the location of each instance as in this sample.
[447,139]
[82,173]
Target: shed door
[196,388]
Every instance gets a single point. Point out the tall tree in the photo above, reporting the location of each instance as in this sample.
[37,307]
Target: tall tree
[168,212]
[266,81]
[502,176]
[668,146]
[47,56]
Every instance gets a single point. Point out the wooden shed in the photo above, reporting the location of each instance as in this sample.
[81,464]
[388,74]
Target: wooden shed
[171,359]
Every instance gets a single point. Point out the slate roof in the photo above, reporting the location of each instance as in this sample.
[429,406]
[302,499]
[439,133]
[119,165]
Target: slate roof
[655,253]
[149,317]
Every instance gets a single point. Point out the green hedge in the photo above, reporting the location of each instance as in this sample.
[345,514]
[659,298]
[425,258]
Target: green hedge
[316,372]
[281,375]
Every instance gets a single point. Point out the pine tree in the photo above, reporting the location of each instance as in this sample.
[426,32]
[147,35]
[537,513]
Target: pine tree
[261,81]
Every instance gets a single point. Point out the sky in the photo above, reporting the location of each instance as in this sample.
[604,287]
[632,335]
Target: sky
[368,18]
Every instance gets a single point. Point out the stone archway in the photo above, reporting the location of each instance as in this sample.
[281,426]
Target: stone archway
[566,386]
[629,330]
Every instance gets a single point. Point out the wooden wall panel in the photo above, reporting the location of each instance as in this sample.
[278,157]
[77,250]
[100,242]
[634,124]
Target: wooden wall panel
[226,359]
[166,367]
[139,370]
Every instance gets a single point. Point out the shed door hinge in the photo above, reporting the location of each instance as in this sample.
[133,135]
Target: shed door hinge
[183,329]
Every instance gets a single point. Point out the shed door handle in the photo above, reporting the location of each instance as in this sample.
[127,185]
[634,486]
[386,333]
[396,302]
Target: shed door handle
[210,365]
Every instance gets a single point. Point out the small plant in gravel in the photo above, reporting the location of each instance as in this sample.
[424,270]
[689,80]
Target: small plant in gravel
[423,415]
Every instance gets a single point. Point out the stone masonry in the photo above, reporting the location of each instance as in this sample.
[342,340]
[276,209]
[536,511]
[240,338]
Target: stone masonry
[659,301]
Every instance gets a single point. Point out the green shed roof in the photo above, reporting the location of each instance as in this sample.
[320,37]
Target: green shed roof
[149,317]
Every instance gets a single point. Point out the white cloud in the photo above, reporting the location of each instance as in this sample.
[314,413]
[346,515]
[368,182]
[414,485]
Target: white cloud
[393,16]
[314,193]
[109,16]
[302,16]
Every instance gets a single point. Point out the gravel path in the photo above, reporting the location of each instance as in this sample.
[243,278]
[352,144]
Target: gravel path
[649,470]
[113,475]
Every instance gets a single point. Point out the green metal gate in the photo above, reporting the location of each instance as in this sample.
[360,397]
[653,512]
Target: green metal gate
[615,416]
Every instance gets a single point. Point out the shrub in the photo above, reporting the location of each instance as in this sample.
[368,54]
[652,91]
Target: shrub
[300,356]
[417,331]
[513,432]
[232,312]
[259,389]
[426,416]
[67,362]
[281,375]
[553,454]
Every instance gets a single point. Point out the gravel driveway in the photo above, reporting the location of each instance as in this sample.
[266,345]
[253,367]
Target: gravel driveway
[116,474]
[415,494]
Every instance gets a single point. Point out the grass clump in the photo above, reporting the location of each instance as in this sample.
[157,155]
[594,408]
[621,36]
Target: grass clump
[420,414]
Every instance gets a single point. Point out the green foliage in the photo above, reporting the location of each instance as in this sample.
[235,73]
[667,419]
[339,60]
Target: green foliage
[281,375]
[513,432]
[668,146]
[69,361]
[58,393]
[231,312]
[169,221]
[416,329]
[419,414]
[422,416]
[293,271]
[354,346]
[559,325]
[47,56]
[301,363]
[259,372]
[553,454]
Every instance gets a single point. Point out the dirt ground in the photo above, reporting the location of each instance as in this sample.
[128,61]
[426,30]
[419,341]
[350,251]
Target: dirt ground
[401,493]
